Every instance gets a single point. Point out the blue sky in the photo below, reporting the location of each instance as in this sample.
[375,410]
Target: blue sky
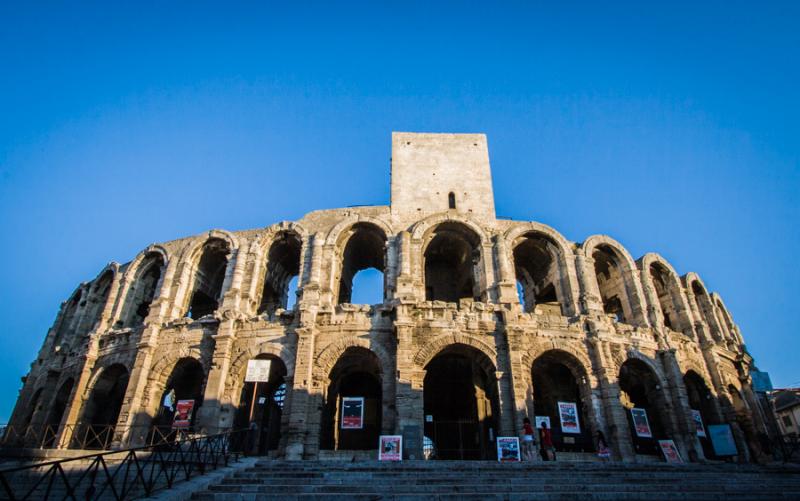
[672,127]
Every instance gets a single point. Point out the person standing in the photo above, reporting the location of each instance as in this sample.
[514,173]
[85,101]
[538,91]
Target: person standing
[546,439]
[528,443]
[603,451]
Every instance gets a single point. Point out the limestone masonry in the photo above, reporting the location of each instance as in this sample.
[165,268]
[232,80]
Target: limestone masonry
[483,322]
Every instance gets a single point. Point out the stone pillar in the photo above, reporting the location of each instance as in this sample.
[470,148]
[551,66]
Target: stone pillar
[686,435]
[618,435]
[297,427]
[506,289]
[75,406]
[409,391]
[590,300]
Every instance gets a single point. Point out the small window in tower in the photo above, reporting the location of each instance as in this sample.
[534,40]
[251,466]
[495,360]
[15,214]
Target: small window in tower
[451,200]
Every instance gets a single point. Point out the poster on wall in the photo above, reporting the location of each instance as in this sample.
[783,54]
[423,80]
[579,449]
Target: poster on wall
[722,439]
[508,449]
[390,448]
[257,371]
[640,423]
[542,419]
[568,413]
[671,453]
[698,423]
[183,414]
[352,413]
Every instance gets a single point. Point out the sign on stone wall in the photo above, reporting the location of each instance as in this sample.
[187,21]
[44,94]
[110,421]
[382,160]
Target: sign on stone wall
[568,413]
[390,448]
[722,440]
[698,423]
[257,371]
[640,423]
[352,413]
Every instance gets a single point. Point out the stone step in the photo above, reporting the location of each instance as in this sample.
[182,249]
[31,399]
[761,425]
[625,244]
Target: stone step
[560,496]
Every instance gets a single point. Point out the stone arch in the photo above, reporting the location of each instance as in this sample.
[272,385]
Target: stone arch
[632,304]
[677,314]
[357,246]
[703,305]
[433,347]
[279,261]
[573,350]
[98,298]
[161,369]
[725,320]
[643,386]
[235,377]
[218,247]
[141,286]
[421,230]
[558,375]
[331,353]
[454,263]
[564,259]
[338,234]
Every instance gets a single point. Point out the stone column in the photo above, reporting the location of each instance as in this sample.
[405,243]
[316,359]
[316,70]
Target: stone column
[590,300]
[297,427]
[75,406]
[409,391]
[618,435]
[506,290]
[686,439]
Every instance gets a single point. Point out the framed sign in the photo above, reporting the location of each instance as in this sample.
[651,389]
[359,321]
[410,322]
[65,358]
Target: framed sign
[390,448]
[508,449]
[568,413]
[542,419]
[698,423]
[722,440]
[257,371]
[183,414]
[671,453]
[640,423]
[352,413]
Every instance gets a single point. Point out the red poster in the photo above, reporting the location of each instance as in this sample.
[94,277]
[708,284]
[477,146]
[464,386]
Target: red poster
[352,413]
[183,414]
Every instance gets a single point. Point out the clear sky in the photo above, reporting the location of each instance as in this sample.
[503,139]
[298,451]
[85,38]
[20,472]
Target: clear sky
[672,127]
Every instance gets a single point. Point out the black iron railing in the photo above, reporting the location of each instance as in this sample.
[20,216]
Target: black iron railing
[124,474]
[86,436]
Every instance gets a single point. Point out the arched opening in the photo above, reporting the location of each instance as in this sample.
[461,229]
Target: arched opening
[743,419]
[66,326]
[611,282]
[451,200]
[143,290]
[33,405]
[264,407]
[57,411]
[536,263]
[561,392]
[102,408]
[726,323]
[186,382]
[460,404]
[646,408]
[704,306]
[353,410]
[365,250]
[660,277]
[283,267]
[209,277]
[98,296]
[452,264]
[702,408]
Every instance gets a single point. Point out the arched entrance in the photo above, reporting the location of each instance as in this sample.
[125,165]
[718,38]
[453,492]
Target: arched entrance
[185,382]
[353,410]
[57,411]
[559,388]
[452,262]
[264,408]
[102,408]
[460,404]
[701,402]
[643,398]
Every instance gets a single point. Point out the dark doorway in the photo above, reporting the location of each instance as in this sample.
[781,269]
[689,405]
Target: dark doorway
[452,263]
[57,411]
[701,400]
[640,389]
[357,374]
[186,382]
[554,382]
[102,409]
[460,405]
[265,408]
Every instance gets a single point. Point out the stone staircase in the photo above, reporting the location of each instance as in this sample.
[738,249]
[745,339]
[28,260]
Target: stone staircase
[484,480]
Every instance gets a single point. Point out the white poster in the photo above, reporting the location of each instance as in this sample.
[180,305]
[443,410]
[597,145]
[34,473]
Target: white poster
[568,413]
[257,371]
[698,423]
[542,419]
[390,448]
[508,449]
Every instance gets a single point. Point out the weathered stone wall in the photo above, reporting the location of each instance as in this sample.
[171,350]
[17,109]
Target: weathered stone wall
[94,330]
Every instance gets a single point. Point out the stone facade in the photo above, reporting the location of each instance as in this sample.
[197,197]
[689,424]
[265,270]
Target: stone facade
[523,312]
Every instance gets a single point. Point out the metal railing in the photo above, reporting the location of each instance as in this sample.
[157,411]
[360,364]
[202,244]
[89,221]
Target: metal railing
[124,474]
[86,436]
